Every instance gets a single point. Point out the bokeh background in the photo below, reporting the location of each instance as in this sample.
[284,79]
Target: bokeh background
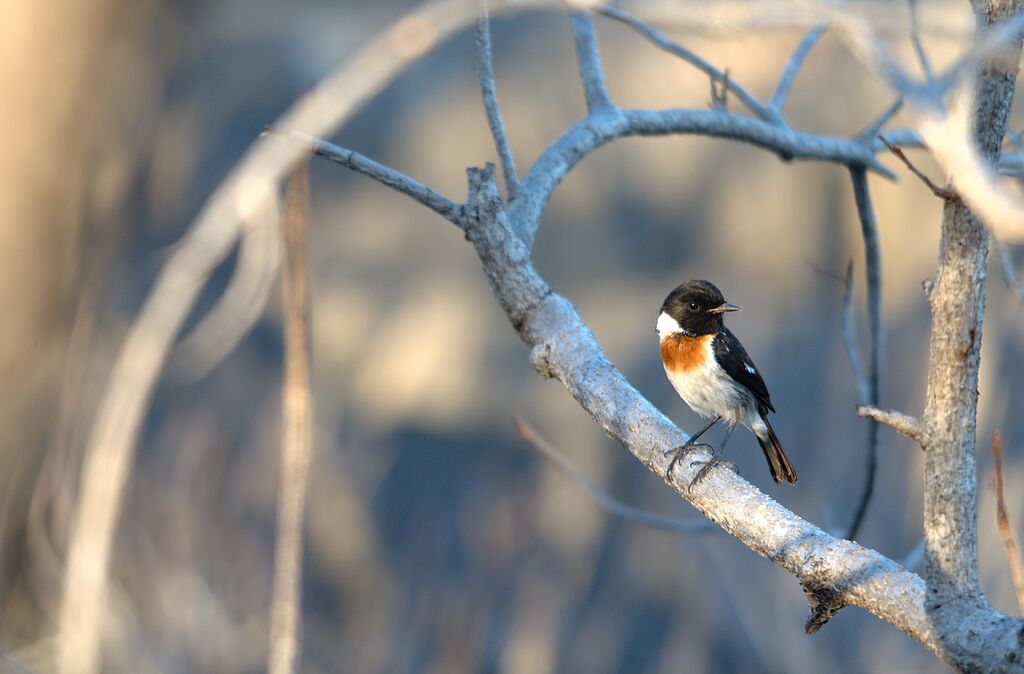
[436,540]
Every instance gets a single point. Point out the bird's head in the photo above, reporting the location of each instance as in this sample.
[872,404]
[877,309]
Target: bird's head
[695,308]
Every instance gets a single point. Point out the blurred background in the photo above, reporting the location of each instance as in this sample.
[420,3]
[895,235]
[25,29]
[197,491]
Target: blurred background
[436,540]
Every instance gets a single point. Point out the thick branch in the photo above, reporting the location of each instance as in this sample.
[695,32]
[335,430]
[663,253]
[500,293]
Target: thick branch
[396,180]
[485,73]
[957,302]
[563,347]
[589,60]
[793,65]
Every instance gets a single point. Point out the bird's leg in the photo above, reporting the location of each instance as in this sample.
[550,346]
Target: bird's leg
[716,458]
[678,452]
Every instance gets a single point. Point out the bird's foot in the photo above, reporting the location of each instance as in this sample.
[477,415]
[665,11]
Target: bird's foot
[715,460]
[679,452]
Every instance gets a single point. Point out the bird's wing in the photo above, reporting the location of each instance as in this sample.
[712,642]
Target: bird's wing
[733,358]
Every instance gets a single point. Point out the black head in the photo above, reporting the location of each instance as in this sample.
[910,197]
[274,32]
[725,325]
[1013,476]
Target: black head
[696,307]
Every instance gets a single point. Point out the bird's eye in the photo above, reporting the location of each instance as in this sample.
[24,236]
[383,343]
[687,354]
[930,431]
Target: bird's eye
[693,306]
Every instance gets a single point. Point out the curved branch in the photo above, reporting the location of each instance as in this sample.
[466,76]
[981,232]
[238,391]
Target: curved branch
[593,131]
[848,574]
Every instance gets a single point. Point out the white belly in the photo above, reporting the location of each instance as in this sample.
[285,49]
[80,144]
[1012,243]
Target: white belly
[710,392]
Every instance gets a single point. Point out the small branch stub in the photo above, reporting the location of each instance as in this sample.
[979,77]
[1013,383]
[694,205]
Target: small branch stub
[823,604]
[910,427]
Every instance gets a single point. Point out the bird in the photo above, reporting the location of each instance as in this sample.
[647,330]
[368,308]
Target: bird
[711,371]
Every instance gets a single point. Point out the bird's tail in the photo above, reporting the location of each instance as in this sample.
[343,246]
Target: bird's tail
[778,462]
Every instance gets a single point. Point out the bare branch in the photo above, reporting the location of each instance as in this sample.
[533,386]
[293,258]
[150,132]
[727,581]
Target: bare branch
[564,348]
[910,427]
[873,272]
[915,39]
[1010,276]
[396,180]
[595,90]
[590,133]
[1003,522]
[749,100]
[485,73]
[944,193]
[874,128]
[793,66]
[296,434]
[603,498]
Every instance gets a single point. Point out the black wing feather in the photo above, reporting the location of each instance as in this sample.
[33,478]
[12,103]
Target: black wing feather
[737,364]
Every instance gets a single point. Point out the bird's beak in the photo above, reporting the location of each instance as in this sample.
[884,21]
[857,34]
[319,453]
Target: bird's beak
[724,308]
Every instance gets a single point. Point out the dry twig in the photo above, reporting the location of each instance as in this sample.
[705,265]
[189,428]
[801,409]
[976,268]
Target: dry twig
[1003,522]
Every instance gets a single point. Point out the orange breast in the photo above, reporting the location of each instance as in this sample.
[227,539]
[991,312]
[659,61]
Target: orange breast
[680,353]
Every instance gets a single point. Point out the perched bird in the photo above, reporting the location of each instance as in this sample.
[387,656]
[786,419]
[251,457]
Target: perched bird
[712,372]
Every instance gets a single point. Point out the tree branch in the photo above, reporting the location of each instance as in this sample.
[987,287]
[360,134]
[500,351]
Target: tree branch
[396,180]
[485,73]
[910,427]
[563,347]
[873,272]
[1003,522]
[603,498]
[589,60]
[793,65]
[957,302]
[762,111]
[943,193]
[592,132]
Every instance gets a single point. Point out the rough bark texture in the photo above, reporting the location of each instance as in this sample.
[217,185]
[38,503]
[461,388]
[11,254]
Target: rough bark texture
[957,299]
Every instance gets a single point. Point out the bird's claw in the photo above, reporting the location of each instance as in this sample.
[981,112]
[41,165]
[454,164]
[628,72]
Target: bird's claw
[682,450]
[706,468]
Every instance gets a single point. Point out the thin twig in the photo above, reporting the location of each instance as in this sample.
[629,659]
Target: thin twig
[944,193]
[396,180]
[595,90]
[793,66]
[485,73]
[1003,522]
[873,272]
[604,499]
[296,434]
[661,40]
[915,39]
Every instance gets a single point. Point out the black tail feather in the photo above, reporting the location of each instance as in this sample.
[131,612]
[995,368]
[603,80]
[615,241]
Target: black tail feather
[778,462]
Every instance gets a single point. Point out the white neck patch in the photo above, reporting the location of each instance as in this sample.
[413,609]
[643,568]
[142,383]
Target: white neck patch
[667,326]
